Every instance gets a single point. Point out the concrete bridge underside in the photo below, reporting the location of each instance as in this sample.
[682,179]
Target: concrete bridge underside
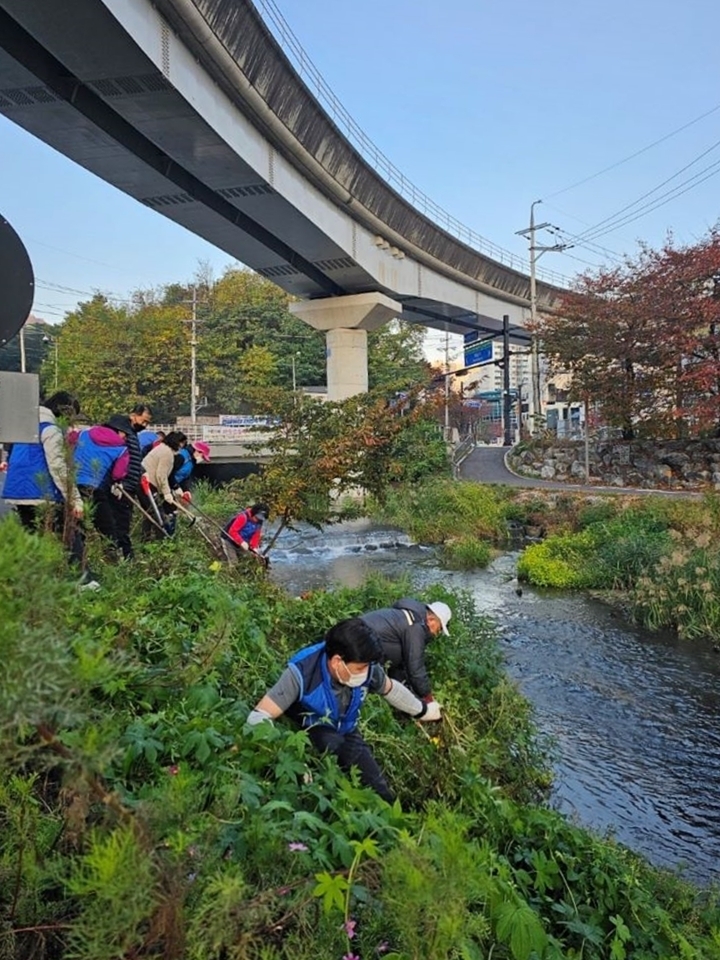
[191,107]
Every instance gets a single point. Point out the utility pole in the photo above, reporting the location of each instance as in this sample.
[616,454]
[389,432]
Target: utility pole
[507,400]
[447,384]
[536,251]
[193,301]
[193,359]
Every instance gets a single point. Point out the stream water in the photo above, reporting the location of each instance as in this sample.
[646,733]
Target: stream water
[634,715]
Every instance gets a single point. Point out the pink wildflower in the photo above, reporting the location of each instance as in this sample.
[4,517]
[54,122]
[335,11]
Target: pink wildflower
[351,956]
[174,770]
[295,847]
[350,928]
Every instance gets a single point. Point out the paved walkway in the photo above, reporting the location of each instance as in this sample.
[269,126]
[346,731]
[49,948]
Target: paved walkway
[486,464]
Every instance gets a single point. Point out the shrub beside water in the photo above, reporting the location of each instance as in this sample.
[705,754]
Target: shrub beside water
[466,553]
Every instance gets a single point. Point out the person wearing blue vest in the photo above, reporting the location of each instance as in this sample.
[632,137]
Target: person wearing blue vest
[244,531]
[323,688]
[39,474]
[101,460]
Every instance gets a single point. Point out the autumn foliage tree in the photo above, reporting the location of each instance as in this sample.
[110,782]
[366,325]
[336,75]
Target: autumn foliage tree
[641,340]
[320,450]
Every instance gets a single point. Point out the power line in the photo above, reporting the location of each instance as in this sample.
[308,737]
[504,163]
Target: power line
[595,231]
[637,153]
[665,198]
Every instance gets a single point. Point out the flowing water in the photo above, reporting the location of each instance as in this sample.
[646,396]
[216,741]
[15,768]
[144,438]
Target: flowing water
[634,715]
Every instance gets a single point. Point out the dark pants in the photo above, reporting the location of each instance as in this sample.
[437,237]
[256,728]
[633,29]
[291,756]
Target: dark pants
[103,515]
[75,542]
[123,511]
[351,751]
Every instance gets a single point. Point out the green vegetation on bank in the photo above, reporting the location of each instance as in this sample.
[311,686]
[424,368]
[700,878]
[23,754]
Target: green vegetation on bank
[140,818]
[664,554]
[661,555]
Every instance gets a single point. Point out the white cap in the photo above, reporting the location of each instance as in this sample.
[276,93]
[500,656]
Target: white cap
[443,612]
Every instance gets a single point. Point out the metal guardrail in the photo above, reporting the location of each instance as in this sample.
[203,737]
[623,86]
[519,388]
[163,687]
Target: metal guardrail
[378,160]
[461,451]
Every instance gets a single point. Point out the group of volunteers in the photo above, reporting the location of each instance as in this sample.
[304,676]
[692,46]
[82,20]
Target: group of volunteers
[106,471]
[324,685]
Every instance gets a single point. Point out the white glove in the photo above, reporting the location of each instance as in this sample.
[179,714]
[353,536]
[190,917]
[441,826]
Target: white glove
[258,716]
[244,545]
[432,712]
[116,490]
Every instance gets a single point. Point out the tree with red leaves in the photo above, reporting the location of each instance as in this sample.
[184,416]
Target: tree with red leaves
[642,340]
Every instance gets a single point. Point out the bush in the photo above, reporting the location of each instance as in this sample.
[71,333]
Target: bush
[465,553]
[442,509]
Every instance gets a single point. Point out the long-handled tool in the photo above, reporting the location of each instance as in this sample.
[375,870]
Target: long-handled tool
[166,524]
[193,520]
[143,511]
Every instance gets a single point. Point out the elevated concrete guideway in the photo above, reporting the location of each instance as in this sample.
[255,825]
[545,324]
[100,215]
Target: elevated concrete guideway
[191,107]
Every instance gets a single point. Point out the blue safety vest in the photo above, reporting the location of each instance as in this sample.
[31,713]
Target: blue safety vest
[95,462]
[185,469]
[28,477]
[318,701]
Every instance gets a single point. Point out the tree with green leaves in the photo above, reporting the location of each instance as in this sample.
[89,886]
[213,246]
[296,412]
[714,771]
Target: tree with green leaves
[320,450]
[111,356]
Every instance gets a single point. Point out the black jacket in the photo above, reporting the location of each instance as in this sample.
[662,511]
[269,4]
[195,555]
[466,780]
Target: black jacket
[131,483]
[403,632]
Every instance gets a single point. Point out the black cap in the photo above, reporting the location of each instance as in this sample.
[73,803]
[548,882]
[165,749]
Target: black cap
[120,423]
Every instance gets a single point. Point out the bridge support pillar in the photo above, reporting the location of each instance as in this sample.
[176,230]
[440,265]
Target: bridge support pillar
[346,321]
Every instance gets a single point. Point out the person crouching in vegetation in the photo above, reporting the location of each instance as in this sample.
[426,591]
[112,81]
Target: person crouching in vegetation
[243,532]
[323,688]
[404,631]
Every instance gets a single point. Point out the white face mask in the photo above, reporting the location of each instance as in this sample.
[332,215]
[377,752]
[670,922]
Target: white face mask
[354,679]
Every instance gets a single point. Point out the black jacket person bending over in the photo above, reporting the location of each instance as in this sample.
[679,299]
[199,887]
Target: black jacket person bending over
[323,688]
[404,630]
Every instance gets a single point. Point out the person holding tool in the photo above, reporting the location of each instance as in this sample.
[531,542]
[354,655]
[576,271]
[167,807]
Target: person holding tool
[323,688]
[243,532]
[158,466]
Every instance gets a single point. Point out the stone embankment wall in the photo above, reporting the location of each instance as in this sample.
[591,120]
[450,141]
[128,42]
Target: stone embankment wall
[659,464]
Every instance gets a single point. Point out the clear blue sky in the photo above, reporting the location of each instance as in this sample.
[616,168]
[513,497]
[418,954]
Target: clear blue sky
[486,106]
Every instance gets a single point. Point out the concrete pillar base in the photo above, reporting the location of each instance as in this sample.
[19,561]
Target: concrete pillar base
[346,321]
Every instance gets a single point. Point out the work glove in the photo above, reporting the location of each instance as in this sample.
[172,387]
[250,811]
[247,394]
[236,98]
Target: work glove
[244,545]
[186,496]
[432,712]
[116,490]
[428,698]
[258,716]
[168,507]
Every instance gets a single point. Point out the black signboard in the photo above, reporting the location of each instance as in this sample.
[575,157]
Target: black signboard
[17,282]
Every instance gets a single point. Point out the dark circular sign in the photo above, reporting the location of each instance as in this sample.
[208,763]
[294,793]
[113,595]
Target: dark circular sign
[17,282]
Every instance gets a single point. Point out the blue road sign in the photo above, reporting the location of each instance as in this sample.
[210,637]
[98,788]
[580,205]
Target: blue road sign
[478,353]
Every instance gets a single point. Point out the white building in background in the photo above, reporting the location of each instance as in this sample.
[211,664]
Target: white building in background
[490,377]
